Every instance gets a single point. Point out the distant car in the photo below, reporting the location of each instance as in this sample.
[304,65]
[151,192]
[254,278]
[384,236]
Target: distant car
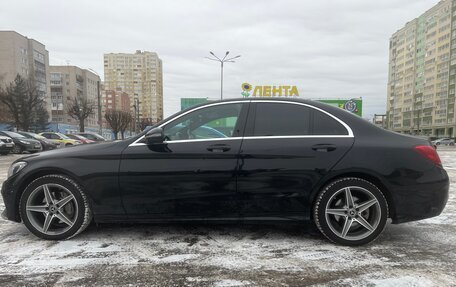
[443,141]
[92,136]
[80,138]
[45,143]
[60,138]
[6,145]
[22,143]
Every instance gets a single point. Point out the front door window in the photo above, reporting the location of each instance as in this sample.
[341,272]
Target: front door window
[207,123]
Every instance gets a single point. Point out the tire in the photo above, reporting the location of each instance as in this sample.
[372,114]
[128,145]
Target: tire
[66,219]
[68,144]
[365,222]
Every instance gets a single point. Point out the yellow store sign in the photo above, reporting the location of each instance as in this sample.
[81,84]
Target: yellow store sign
[269,91]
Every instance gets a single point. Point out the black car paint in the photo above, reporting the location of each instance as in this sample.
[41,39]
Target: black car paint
[264,181]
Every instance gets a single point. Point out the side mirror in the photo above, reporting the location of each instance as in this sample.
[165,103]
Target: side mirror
[155,136]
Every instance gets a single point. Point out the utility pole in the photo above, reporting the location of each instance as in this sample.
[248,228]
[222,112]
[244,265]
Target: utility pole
[100,119]
[137,123]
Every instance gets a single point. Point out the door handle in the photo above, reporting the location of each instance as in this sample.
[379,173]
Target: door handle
[324,147]
[218,148]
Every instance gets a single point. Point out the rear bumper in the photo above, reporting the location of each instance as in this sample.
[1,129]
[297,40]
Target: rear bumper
[423,200]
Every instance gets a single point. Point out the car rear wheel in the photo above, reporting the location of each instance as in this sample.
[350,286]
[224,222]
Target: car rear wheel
[55,207]
[351,211]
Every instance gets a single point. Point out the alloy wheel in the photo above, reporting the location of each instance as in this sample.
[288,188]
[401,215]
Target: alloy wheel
[52,209]
[353,213]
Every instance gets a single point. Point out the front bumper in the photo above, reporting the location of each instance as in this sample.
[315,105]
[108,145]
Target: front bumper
[32,148]
[11,201]
[6,148]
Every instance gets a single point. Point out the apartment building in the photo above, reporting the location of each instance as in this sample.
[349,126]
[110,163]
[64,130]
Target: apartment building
[422,74]
[26,57]
[140,76]
[67,83]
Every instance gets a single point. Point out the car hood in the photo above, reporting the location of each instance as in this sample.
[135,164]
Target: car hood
[30,141]
[88,150]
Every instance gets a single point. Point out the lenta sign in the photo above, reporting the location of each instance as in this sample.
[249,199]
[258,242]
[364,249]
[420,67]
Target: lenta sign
[269,91]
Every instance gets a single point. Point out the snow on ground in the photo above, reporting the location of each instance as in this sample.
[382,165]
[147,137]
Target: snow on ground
[418,254]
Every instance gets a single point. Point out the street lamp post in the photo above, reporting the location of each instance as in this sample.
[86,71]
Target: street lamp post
[222,61]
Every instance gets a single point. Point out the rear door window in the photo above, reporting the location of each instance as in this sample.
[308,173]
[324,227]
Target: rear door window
[281,119]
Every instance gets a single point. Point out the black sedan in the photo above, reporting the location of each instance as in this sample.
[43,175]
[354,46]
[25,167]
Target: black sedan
[21,143]
[45,143]
[280,160]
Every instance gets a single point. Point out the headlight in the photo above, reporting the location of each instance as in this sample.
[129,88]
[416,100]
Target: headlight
[16,167]
[24,142]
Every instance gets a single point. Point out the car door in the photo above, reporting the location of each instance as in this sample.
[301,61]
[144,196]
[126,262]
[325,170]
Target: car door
[288,147]
[190,175]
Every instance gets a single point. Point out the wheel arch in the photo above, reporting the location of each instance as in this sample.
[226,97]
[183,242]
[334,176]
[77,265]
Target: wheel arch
[374,179]
[43,172]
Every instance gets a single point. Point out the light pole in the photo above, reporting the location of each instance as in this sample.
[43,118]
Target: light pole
[100,120]
[136,107]
[222,61]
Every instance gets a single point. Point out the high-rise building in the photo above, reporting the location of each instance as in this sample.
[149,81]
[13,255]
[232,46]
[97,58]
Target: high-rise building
[140,76]
[26,57]
[68,83]
[422,74]
[114,101]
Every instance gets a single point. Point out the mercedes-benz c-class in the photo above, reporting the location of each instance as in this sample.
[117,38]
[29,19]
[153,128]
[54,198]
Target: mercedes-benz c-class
[259,159]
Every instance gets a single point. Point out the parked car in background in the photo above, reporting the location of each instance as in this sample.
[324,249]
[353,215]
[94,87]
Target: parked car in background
[202,132]
[60,138]
[80,138]
[22,143]
[281,160]
[92,136]
[443,141]
[6,145]
[45,143]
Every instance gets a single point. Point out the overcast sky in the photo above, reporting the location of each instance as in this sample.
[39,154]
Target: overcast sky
[328,49]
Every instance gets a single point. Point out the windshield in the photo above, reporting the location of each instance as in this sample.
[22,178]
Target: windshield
[38,137]
[63,136]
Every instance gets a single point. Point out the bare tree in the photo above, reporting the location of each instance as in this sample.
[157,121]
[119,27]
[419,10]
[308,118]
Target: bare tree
[23,102]
[118,121]
[145,122]
[125,120]
[80,109]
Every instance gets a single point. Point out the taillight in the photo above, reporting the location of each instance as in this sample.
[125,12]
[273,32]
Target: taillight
[428,152]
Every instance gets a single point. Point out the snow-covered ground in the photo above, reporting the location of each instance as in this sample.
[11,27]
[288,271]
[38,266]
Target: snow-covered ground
[421,253]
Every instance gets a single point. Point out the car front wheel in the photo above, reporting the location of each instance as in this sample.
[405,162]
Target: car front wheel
[351,211]
[55,207]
